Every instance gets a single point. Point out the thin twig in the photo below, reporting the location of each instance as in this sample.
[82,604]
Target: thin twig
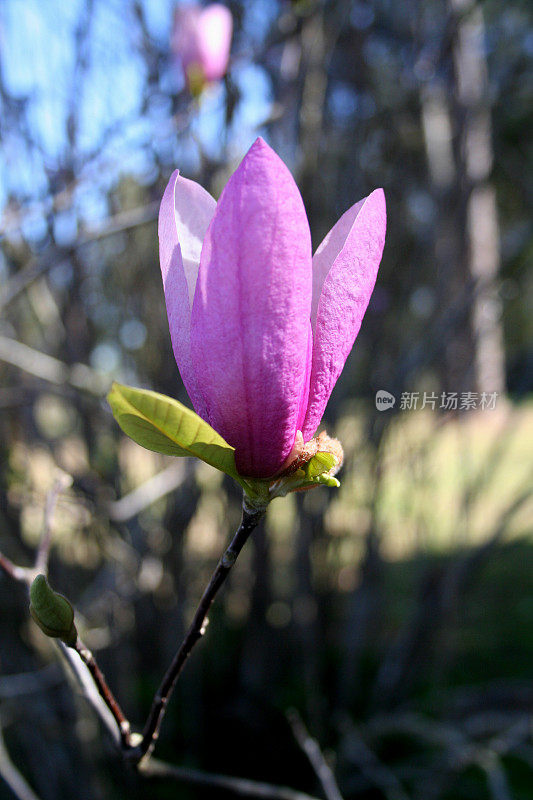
[242,787]
[21,574]
[90,691]
[62,482]
[105,692]
[315,756]
[250,519]
[28,574]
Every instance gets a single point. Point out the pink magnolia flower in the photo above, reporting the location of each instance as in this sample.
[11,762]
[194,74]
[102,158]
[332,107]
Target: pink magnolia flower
[201,40]
[260,328]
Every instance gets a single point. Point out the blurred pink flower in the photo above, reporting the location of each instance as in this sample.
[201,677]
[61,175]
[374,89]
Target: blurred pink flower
[260,328]
[201,41]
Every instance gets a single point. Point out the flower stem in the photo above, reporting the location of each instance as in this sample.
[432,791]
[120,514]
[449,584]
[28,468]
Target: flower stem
[250,519]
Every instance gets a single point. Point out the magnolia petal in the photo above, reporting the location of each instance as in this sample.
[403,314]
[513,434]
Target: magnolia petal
[344,273]
[327,252]
[185,212]
[193,209]
[304,400]
[250,320]
[215,28]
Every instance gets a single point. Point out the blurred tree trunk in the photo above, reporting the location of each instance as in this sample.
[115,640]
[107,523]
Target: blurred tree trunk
[459,152]
[437,125]
[314,86]
[482,234]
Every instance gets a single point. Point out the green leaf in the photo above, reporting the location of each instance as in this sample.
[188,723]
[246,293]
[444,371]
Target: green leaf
[52,612]
[164,425]
[320,463]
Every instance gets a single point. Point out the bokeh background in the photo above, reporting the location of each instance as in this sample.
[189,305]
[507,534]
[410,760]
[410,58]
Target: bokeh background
[396,613]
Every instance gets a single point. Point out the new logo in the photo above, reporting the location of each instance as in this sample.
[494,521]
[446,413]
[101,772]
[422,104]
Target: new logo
[384,400]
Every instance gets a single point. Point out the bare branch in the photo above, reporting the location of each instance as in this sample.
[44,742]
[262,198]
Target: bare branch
[22,574]
[28,574]
[242,787]
[315,756]
[250,519]
[95,689]
[85,681]
[105,692]
[62,482]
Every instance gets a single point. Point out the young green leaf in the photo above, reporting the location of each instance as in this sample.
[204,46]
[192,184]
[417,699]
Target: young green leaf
[164,425]
[320,463]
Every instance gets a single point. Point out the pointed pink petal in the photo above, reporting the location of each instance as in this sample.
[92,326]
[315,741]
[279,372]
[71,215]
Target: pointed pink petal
[185,213]
[250,320]
[345,267]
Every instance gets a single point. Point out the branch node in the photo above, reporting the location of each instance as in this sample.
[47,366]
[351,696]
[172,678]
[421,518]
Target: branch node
[228,559]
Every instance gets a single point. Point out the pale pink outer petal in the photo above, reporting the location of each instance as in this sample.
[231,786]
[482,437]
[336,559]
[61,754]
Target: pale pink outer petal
[345,268]
[193,210]
[185,213]
[215,28]
[250,320]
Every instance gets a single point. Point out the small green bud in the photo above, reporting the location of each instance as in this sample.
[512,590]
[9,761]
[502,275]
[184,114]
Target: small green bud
[319,464]
[52,612]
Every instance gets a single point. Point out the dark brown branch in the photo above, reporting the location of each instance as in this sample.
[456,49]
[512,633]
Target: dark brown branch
[105,693]
[85,682]
[250,518]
